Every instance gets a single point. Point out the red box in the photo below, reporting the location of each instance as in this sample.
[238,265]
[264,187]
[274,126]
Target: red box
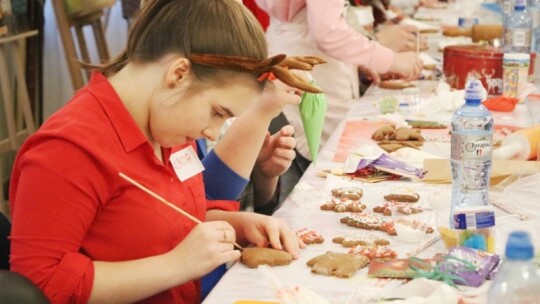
[482,62]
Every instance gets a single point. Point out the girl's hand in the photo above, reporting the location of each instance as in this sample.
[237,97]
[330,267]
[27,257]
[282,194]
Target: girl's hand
[277,95]
[277,153]
[207,246]
[370,74]
[263,230]
[408,65]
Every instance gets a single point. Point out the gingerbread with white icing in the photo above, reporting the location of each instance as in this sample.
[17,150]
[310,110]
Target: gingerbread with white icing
[374,252]
[355,239]
[309,236]
[351,193]
[367,221]
[343,205]
[405,209]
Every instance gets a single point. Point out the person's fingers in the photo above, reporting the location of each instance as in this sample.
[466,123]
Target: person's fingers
[230,256]
[295,97]
[409,28]
[411,36]
[291,245]
[226,236]
[287,142]
[374,76]
[286,154]
[287,130]
[267,138]
[290,241]
[273,235]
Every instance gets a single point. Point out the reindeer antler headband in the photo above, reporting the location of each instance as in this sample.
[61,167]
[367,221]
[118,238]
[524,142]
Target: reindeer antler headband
[277,66]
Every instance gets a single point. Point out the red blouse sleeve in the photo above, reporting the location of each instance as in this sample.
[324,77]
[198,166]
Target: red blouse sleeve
[55,194]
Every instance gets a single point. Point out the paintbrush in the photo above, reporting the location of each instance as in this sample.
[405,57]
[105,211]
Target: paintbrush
[164,201]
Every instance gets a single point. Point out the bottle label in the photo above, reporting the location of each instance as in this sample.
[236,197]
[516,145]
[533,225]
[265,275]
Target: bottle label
[520,37]
[471,147]
[473,219]
[515,75]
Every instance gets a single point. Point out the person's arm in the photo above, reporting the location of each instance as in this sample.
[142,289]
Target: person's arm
[337,39]
[207,246]
[274,159]
[229,165]
[53,207]
[220,181]
[241,144]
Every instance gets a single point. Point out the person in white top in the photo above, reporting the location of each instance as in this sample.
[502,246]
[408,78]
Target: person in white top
[319,28]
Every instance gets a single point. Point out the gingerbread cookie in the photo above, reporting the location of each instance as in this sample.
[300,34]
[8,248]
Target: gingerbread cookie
[384,209]
[340,206]
[350,193]
[391,139]
[407,134]
[389,228]
[355,239]
[253,257]
[374,252]
[405,209]
[342,265]
[367,221]
[403,196]
[309,236]
[408,210]
[415,225]
[383,132]
[396,84]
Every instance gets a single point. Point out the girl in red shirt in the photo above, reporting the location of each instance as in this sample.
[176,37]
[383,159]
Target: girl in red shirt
[82,233]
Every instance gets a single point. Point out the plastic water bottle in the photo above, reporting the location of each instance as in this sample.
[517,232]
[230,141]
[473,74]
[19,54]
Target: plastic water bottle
[518,29]
[507,8]
[534,12]
[471,145]
[517,280]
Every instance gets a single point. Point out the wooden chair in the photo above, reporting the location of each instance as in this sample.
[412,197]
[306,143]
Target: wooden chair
[75,15]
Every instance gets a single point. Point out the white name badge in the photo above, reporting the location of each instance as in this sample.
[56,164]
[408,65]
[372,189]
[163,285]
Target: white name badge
[186,163]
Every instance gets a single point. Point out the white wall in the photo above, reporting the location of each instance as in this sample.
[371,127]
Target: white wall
[56,79]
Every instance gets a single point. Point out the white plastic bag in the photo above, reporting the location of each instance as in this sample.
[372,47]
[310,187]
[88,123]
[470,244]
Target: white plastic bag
[523,193]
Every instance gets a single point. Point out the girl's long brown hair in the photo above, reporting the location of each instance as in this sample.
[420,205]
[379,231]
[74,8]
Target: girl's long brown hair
[186,27]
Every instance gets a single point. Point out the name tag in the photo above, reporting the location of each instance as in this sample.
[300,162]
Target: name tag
[186,163]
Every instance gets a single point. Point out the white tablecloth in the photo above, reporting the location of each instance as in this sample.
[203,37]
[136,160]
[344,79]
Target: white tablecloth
[301,209]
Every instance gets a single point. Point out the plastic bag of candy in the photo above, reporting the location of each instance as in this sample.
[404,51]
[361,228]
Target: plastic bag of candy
[469,266]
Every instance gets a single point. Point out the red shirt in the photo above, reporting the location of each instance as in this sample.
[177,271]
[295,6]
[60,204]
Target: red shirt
[70,207]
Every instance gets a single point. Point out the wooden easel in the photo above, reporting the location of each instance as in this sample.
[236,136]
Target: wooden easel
[65,23]
[11,50]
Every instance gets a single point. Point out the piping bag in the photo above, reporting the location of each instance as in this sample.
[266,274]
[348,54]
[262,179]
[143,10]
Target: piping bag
[313,111]
[520,145]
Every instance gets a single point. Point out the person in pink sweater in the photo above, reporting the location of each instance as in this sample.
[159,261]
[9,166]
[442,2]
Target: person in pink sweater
[319,27]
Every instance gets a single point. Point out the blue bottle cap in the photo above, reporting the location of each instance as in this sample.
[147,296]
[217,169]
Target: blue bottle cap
[474,90]
[519,246]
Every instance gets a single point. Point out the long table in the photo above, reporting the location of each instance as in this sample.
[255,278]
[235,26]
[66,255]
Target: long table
[302,209]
